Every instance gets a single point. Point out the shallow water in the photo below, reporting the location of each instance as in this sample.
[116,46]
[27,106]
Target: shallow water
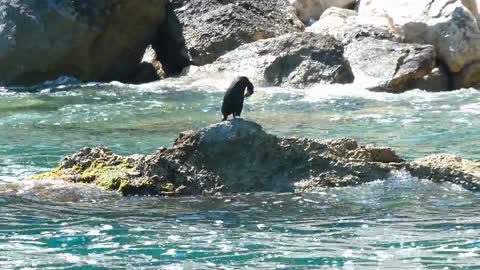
[395,223]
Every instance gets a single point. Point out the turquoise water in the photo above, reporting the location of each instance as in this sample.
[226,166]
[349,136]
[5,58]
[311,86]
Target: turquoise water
[395,223]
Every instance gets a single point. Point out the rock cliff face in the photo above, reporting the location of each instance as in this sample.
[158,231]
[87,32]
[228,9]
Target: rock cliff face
[91,40]
[232,156]
[434,45]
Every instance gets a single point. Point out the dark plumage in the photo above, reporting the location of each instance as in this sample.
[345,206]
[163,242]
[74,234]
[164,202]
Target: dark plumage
[233,99]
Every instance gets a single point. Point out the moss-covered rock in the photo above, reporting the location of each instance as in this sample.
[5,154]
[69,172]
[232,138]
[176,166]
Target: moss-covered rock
[232,156]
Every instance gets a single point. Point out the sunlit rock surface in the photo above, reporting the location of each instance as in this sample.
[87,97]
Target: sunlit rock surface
[310,10]
[379,62]
[91,40]
[232,156]
[448,168]
[451,26]
[298,60]
[346,26]
[383,65]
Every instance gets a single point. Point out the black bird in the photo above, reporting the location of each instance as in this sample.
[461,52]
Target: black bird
[233,99]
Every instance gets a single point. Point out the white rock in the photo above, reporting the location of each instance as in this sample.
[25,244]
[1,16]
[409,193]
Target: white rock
[310,10]
[345,25]
[449,25]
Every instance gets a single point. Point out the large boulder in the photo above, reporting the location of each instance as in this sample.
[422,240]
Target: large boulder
[212,27]
[98,40]
[448,168]
[379,62]
[449,25]
[231,156]
[310,10]
[383,65]
[299,60]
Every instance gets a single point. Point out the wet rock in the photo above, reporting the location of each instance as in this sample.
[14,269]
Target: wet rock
[448,25]
[212,28]
[448,168]
[299,60]
[231,156]
[310,10]
[383,65]
[91,40]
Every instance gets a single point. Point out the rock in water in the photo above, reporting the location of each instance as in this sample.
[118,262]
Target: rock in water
[449,25]
[448,168]
[231,156]
[98,40]
[299,60]
[212,28]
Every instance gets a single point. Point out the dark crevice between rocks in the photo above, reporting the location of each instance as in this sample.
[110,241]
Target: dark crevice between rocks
[170,51]
[440,79]
[170,45]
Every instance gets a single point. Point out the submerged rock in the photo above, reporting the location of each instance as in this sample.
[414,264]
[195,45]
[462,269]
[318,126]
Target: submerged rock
[448,168]
[299,60]
[232,156]
[91,40]
[212,28]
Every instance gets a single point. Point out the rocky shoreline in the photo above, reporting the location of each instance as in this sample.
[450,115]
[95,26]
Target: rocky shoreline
[378,44]
[239,156]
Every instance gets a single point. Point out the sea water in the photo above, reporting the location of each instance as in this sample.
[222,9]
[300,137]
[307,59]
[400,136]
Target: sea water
[395,223]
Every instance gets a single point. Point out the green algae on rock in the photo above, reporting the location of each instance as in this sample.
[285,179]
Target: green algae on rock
[101,167]
[232,156]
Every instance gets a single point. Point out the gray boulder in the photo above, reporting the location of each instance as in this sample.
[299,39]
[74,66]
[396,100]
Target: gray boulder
[448,168]
[212,28]
[298,59]
[451,26]
[383,65]
[232,156]
[91,40]
[379,61]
